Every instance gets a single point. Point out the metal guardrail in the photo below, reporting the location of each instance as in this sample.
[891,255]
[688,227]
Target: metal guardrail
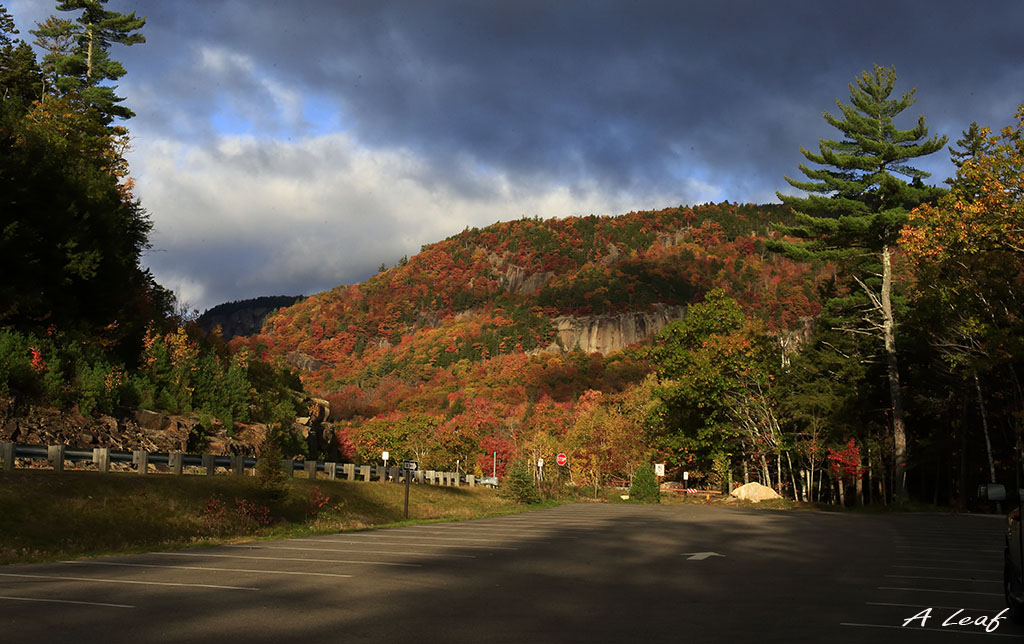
[57,455]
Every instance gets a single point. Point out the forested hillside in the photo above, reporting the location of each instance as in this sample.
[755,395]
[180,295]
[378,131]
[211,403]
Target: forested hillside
[84,327]
[859,342]
[461,339]
[857,345]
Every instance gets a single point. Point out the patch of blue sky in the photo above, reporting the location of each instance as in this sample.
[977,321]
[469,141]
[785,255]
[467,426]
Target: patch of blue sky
[322,116]
[230,123]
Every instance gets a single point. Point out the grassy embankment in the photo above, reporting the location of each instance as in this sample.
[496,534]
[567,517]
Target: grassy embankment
[47,516]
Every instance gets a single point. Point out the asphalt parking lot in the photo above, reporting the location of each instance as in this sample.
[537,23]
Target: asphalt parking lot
[576,573]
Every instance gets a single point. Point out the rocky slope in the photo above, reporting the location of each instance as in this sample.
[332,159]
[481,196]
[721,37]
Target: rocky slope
[244,317]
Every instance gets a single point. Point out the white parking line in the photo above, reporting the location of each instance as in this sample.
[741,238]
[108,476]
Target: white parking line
[956,549]
[933,560]
[987,609]
[268,572]
[341,561]
[934,590]
[983,581]
[373,552]
[126,581]
[393,535]
[934,630]
[990,572]
[492,527]
[519,533]
[64,601]
[418,545]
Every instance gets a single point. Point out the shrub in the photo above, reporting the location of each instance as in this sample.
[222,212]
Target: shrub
[270,473]
[644,487]
[519,484]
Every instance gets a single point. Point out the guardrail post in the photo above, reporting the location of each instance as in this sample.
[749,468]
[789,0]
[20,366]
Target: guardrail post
[364,471]
[311,470]
[289,467]
[238,464]
[55,455]
[101,457]
[176,461]
[350,471]
[430,477]
[419,476]
[7,455]
[331,470]
[210,463]
[470,480]
[455,479]
[140,457]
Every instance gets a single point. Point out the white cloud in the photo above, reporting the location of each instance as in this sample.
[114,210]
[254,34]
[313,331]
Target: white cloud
[242,216]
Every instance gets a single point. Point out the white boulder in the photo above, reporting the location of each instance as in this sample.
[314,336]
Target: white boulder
[755,492]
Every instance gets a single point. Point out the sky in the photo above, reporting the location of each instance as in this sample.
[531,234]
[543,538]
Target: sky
[290,147]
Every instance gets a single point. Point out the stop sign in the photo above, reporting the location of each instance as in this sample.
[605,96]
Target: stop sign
[561,459]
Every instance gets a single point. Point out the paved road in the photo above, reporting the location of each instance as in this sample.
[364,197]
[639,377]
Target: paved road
[577,573]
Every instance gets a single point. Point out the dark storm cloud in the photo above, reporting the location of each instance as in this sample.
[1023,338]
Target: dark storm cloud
[634,95]
[282,144]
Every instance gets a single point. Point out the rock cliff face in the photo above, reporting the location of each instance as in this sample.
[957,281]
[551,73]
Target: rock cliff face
[607,333]
[244,317]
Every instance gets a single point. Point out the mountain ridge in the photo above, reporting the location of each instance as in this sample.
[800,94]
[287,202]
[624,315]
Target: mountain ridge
[522,285]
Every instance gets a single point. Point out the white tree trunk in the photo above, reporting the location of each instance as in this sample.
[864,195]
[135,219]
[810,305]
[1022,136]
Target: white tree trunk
[899,434]
[984,429]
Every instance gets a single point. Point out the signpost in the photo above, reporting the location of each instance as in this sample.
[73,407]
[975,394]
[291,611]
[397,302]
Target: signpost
[494,468]
[409,467]
[540,468]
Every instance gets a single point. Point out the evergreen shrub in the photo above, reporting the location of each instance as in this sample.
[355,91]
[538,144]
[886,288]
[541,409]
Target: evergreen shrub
[644,487]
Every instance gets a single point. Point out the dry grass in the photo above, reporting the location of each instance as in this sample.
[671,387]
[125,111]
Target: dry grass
[47,516]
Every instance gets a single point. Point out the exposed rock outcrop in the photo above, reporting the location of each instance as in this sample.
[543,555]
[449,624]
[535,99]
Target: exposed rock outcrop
[244,317]
[304,361]
[612,332]
[140,429]
[516,279]
[131,430]
[314,428]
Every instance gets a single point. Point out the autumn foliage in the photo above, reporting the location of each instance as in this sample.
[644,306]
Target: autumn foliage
[452,355]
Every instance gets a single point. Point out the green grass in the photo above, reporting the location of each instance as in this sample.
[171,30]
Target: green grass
[46,516]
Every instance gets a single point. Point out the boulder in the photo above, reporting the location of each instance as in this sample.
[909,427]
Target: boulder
[755,492]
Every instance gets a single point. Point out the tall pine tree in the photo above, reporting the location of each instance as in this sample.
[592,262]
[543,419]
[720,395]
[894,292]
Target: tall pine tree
[857,202]
[88,66]
[20,78]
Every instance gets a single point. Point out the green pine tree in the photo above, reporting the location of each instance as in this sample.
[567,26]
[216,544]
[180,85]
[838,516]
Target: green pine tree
[78,54]
[974,142]
[857,202]
[20,77]
[644,486]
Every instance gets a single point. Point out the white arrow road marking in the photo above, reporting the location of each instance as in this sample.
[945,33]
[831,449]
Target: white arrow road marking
[700,556]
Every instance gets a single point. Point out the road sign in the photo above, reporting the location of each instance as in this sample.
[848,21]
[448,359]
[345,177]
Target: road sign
[540,462]
[686,476]
[659,469]
[410,465]
[385,455]
[561,459]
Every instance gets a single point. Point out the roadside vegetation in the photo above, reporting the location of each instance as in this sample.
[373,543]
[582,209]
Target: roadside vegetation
[77,514]
[859,343]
